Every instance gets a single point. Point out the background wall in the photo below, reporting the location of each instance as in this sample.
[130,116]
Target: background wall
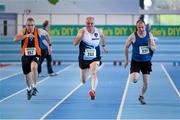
[74,12]
[73,6]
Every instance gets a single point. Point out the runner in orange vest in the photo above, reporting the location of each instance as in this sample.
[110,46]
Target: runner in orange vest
[31,53]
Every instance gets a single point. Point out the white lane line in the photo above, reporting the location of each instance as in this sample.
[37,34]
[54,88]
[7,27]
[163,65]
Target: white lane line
[12,95]
[68,95]
[7,77]
[60,102]
[170,80]
[123,99]
[10,76]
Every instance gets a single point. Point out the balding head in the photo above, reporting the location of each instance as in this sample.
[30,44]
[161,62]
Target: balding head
[90,19]
[90,24]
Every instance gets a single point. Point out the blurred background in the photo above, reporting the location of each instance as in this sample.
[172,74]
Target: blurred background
[13,14]
[63,96]
[116,17]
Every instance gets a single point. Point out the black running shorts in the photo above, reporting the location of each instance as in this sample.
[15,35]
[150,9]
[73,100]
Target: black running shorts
[144,67]
[26,63]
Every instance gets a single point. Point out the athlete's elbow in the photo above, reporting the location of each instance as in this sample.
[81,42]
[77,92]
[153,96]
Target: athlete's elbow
[74,43]
[15,39]
[126,48]
[153,48]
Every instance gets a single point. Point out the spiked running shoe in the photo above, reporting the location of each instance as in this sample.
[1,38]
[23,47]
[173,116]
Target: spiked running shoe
[92,94]
[29,95]
[53,74]
[141,100]
[34,91]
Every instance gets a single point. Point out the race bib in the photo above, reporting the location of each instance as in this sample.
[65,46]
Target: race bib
[90,53]
[31,51]
[143,50]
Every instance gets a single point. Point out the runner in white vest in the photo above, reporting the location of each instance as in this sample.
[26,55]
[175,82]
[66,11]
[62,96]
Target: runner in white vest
[89,39]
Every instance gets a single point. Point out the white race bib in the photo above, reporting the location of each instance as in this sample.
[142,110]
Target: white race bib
[31,51]
[90,53]
[143,50]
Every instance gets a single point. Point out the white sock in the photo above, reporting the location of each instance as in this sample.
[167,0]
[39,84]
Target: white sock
[94,84]
[28,88]
[33,85]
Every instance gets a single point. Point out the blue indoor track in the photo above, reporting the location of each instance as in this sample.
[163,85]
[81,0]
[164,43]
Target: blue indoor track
[65,97]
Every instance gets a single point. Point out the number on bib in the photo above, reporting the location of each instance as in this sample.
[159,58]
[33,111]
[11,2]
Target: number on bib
[143,49]
[30,51]
[90,53]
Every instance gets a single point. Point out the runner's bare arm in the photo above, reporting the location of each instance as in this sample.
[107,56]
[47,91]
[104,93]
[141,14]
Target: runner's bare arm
[103,41]
[79,37]
[127,44]
[19,36]
[152,44]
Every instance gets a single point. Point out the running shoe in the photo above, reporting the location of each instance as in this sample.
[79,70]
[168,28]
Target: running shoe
[34,91]
[141,100]
[92,94]
[134,81]
[53,74]
[29,95]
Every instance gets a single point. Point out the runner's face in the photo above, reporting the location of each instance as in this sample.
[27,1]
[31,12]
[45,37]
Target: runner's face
[141,27]
[30,26]
[90,24]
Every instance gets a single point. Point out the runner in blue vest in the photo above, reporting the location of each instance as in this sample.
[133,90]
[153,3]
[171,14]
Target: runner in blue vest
[143,46]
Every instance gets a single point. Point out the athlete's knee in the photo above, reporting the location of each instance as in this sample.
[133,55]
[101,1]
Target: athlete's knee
[34,67]
[83,78]
[145,82]
[134,77]
[93,73]
[145,79]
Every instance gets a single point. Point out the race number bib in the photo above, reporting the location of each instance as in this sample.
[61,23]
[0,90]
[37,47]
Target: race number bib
[91,53]
[30,51]
[143,49]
